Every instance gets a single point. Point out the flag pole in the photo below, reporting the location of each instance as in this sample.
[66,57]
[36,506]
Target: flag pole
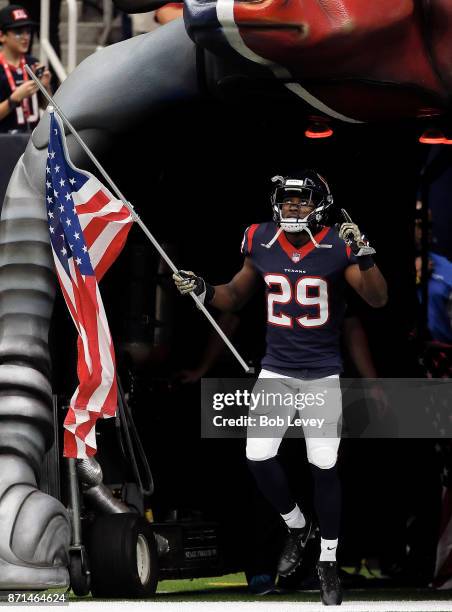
[135,215]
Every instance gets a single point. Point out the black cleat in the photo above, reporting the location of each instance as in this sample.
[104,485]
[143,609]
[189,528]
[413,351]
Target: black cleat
[292,552]
[330,585]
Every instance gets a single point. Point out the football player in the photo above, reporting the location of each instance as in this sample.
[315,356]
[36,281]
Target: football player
[305,262]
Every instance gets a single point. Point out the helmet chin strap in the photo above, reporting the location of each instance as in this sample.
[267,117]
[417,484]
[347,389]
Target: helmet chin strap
[316,244]
[305,228]
[273,240]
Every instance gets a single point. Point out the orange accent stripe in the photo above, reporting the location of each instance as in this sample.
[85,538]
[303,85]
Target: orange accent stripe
[348,250]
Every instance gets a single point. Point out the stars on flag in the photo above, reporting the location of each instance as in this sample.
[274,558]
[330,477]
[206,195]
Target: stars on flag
[60,186]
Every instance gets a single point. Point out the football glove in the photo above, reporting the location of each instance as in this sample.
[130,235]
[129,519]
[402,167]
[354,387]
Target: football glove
[351,235]
[187,282]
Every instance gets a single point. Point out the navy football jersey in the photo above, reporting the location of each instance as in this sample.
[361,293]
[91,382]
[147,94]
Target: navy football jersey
[305,297]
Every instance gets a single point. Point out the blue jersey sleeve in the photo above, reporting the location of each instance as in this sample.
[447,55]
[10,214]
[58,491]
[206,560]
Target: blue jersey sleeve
[247,242]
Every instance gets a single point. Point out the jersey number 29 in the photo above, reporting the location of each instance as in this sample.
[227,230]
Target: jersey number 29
[285,293]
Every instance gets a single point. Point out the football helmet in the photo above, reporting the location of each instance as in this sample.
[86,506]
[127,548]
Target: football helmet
[310,187]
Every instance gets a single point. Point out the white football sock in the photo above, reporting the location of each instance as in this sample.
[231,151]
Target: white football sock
[328,550]
[294,519]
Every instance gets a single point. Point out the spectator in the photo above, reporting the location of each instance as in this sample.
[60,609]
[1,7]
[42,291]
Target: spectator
[19,107]
[33,8]
[437,183]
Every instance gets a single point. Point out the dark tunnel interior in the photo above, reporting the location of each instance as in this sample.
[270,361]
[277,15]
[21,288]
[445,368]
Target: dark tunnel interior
[198,177]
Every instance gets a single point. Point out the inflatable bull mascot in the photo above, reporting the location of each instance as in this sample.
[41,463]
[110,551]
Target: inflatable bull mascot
[341,60]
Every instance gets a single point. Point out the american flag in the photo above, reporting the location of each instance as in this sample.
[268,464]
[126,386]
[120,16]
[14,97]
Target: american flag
[88,229]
